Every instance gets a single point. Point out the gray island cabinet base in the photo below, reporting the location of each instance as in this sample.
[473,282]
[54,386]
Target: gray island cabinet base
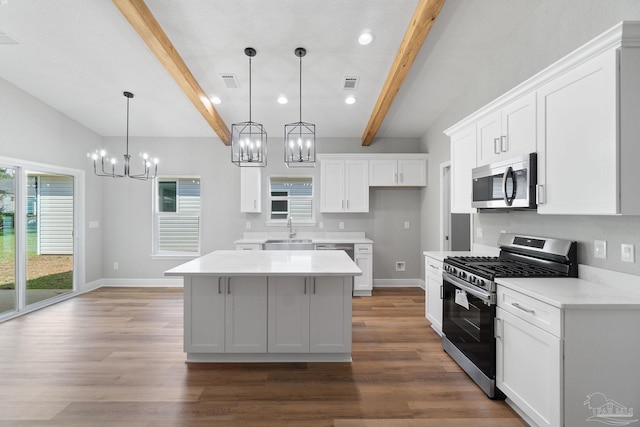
[268,306]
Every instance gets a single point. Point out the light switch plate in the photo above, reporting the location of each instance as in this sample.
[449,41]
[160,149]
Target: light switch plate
[406,224]
[627,253]
[341,225]
[479,233]
[600,249]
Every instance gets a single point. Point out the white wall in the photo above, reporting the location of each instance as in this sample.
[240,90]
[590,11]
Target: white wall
[127,215]
[553,29]
[32,131]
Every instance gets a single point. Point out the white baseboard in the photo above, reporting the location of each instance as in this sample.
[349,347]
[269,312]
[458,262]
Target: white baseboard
[398,283]
[164,282]
[88,287]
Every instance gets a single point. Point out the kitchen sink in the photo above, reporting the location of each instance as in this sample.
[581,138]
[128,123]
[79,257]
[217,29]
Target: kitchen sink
[288,245]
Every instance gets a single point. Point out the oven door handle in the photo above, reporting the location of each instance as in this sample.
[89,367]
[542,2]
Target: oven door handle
[484,296]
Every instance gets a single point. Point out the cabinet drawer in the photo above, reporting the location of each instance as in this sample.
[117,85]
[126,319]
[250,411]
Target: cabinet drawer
[363,249]
[531,310]
[248,246]
[433,266]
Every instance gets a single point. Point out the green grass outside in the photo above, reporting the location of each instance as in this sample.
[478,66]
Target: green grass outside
[63,280]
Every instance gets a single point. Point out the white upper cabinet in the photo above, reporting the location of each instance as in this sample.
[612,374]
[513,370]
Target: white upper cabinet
[409,172]
[250,189]
[588,137]
[580,115]
[344,185]
[463,160]
[509,132]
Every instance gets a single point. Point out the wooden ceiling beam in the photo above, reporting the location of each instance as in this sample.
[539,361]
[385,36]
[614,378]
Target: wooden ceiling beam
[425,14]
[143,21]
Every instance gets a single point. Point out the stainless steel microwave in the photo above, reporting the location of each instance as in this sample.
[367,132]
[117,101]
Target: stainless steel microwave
[508,184]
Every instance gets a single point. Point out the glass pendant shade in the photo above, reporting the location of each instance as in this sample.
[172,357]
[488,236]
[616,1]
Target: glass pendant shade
[249,139]
[300,144]
[248,144]
[300,137]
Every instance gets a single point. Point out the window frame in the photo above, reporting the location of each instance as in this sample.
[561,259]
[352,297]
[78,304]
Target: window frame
[156,252]
[282,222]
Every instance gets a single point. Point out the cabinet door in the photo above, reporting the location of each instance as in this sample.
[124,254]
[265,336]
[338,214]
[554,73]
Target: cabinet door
[362,285]
[518,135]
[250,189]
[489,131]
[434,293]
[463,160]
[332,176]
[288,330]
[577,140]
[204,314]
[330,315]
[528,368]
[246,315]
[383,173]
[357,186]
[412,172]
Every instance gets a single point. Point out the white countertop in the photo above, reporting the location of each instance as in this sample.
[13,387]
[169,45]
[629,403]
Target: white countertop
[315,237]
[573,293]
[269,263]
[441,255]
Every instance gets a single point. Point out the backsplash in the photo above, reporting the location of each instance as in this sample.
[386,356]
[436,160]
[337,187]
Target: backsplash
[615,230]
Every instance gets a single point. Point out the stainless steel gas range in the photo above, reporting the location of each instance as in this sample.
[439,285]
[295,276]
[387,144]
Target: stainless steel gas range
[469,297]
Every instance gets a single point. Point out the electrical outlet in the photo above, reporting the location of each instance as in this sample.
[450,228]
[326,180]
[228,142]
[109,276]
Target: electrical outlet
[406,225]
[400,266]
[321,224]
[341,225]
[94,224]
[627,253]
[479,233]
[248,225]
[600,249]
[115,266]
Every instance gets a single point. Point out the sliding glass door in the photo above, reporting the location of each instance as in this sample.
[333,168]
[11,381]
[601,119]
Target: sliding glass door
[49,227]
[38,217]
[8,295]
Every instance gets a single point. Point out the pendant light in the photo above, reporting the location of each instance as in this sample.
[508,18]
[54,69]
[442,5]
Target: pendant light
[150,166]
[249,139]
[300,137]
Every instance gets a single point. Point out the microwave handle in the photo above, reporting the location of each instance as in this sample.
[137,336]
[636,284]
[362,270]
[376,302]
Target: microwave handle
[508,174]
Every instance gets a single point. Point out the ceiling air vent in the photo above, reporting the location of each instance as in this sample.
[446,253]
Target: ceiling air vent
[350,83]
[7,39]
[230,81]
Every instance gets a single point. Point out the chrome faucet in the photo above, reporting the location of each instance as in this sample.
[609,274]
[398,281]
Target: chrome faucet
[292,232]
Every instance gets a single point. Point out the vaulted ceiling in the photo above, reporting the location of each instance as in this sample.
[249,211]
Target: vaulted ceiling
[79,56]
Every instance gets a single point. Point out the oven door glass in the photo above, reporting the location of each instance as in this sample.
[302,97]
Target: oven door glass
[467,322]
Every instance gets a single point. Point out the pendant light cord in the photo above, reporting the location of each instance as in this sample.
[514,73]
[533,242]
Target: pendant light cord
[128,125]
[301,89]
[249,88]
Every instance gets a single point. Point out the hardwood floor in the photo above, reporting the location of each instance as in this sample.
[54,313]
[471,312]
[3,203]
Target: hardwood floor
[113,357]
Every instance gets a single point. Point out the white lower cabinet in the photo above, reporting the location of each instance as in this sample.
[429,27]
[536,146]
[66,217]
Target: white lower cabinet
[363,257]
[225,315]
[568,366]
[309,315]
[528,371]
[433,297]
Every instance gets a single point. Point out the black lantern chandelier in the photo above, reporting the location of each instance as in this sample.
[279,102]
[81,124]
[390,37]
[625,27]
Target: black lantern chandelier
[249,139]
[300,137]
[108,164]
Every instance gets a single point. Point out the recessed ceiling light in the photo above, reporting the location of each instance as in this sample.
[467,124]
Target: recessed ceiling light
[350,100]
[216,100]
[282,99]
[365,38]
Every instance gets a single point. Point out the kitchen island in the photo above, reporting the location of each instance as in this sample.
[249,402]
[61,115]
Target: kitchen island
[268,306]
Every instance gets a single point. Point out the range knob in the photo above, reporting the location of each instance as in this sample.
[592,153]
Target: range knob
[481,283]
[473,279]
[463,274]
